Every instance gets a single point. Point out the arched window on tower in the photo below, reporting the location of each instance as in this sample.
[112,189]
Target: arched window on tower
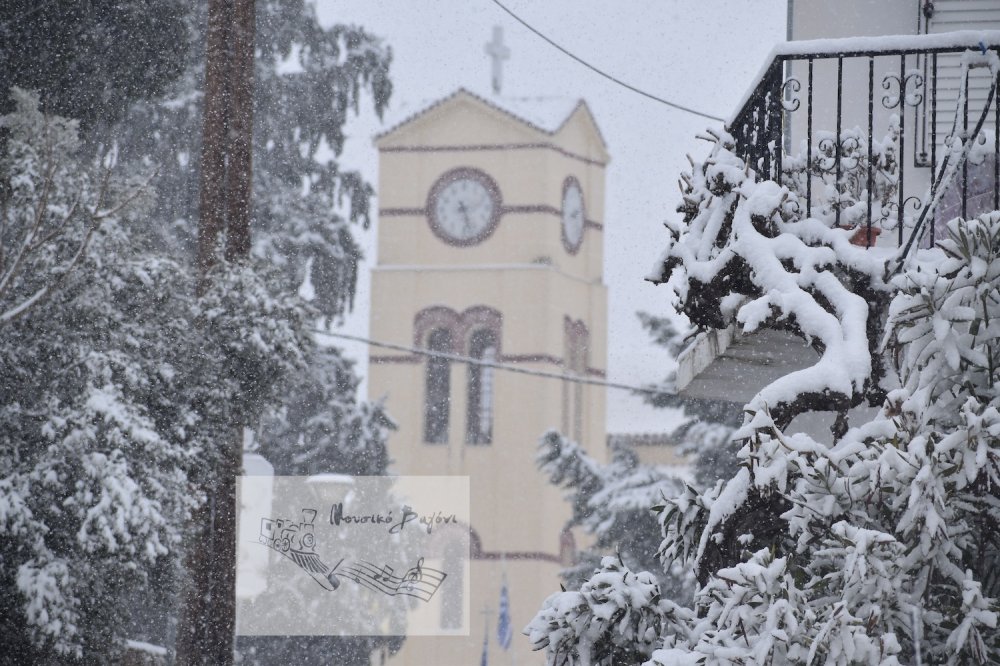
[437,388]
[479,421]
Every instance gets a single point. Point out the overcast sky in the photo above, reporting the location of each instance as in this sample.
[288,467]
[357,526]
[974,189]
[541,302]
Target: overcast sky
[699,53]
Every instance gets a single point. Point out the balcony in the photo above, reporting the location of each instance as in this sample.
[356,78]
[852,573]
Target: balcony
[879,120]
[891,137]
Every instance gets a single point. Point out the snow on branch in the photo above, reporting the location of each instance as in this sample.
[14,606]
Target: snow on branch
[743,253]
[617,617]
[882,548]
[51,208]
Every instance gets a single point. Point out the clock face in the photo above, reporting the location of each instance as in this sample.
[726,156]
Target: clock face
[572,215]
[464,206]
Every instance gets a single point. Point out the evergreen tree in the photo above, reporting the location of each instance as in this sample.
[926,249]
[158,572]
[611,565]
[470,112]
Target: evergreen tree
[91,60]
[111,398]
[308,80]
[319,428]
[189,367]
[705,438]
[117,385]
[612,503]
[91,490]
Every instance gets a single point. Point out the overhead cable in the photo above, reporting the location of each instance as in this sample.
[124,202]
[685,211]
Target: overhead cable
[675,105]
[491,364]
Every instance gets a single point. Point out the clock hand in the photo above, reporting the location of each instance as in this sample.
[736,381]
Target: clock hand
[466,223]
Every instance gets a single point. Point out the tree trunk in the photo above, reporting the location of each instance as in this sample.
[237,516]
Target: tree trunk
[239,177]
[214,133]
[208,619]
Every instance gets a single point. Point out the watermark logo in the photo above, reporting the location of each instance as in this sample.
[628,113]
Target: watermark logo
[342,556]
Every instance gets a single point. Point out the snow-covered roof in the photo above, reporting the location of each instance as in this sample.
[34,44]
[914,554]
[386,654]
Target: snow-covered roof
[546,114]
[857,45]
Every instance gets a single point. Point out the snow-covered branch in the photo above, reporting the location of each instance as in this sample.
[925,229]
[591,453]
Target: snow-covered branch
[882,547]
[744,254]
[51,207]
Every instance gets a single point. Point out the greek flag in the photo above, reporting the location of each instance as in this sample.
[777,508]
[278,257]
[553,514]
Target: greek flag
[504,631]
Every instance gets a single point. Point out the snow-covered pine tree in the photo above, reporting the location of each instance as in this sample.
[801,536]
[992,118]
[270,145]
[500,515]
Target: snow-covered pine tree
[611,503]
[111,398]
[309,79]
[319,428]
[93,460]
[705,437]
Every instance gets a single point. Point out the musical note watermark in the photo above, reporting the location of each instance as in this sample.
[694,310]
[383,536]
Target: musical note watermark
[297,542]
[336,555]
[419,582]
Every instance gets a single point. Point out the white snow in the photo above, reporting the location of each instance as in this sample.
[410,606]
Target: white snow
[148,648]
[970,39]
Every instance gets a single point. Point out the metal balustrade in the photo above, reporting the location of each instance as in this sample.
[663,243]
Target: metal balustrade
[923,90]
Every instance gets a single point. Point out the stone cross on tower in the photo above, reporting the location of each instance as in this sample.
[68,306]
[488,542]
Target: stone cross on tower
[498,52]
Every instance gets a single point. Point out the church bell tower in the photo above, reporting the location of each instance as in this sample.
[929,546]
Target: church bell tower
[490,246]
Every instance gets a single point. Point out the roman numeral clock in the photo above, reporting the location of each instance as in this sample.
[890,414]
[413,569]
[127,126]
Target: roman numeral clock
[490,247]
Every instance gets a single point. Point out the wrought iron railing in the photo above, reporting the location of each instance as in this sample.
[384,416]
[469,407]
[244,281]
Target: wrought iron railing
[921,90]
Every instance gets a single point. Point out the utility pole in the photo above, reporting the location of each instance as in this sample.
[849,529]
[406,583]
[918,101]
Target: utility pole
[226,156]
[208,618]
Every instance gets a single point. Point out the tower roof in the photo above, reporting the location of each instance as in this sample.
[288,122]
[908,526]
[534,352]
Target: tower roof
[544,115]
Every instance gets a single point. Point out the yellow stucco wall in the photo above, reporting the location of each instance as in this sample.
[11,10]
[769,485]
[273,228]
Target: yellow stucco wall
[523,271]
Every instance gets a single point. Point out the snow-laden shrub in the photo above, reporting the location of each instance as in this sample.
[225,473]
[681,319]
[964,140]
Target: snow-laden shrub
[743,254]
[888,535]
[617,617]
[883,547]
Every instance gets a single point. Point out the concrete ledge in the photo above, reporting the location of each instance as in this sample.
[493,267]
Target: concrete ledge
[699,354]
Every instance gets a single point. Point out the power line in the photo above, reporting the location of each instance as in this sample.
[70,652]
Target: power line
[679,107]
[490,364]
